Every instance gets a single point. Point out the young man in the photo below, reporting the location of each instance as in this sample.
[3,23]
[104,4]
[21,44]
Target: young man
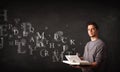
[94,50]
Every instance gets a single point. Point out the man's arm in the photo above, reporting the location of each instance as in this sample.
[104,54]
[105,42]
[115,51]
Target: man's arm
[92,65]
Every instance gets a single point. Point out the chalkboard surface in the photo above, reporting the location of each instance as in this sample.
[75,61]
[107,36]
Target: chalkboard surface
[37,36]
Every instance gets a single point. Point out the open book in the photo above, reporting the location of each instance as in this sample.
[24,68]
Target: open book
[75,60]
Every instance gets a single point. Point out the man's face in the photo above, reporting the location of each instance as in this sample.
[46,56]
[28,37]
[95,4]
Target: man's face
[92,31]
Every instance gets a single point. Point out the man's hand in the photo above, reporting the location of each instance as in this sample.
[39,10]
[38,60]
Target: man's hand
[92,65]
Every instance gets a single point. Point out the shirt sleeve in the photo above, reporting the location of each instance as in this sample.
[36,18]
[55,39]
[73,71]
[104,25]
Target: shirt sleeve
[99,53]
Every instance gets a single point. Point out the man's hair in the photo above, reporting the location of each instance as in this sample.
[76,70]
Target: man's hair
[94,24]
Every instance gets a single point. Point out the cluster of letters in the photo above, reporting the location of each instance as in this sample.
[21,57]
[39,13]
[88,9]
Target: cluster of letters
[26,39]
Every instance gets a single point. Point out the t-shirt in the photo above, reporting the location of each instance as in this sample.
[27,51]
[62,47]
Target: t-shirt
[93,52]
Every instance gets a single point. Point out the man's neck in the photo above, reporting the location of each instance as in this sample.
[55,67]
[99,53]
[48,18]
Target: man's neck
[94,38]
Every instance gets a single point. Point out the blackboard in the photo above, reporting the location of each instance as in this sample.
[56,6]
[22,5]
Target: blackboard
[36,36]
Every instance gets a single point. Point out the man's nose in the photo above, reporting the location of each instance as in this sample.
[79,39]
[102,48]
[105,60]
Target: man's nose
[91,30]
